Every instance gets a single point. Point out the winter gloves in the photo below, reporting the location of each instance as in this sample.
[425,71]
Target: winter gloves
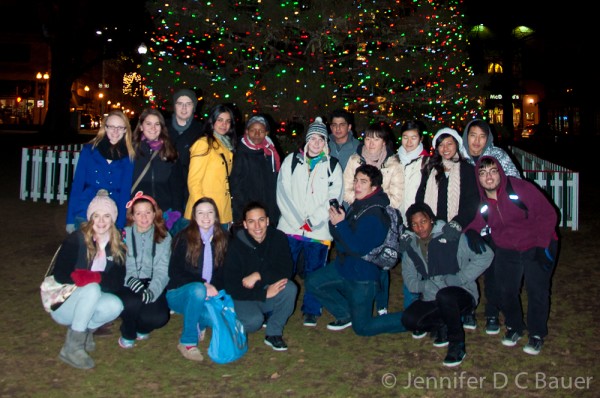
[147,296]
[135,285]
[452,230]
[476,242]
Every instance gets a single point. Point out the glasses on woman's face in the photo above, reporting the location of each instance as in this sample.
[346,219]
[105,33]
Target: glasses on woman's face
[120,129]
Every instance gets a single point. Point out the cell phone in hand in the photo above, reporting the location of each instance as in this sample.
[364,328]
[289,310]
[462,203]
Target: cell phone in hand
[335,204]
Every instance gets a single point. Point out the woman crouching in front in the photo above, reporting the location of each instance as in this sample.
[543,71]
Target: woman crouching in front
[93,258]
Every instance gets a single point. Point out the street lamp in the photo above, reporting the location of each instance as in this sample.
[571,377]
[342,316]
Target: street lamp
[41,103]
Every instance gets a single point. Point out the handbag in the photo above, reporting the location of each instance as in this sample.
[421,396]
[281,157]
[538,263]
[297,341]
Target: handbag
[54,293]
[228,341]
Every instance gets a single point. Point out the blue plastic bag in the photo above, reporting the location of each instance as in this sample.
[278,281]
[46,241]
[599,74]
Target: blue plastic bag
[228,342]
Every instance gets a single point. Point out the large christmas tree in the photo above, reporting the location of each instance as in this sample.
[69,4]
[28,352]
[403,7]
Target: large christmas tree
[390,60]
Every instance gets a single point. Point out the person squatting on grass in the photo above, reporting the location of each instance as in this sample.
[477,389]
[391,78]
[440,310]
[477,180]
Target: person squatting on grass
[347,287]
[257,275]
[443,272]
[195,273]
[516,215]
[93,258]
[147,271]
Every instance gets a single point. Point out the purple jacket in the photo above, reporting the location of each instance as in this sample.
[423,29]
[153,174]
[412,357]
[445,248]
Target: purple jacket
[512,227]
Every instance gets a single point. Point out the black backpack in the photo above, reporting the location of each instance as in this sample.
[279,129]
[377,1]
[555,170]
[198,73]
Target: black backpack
[387,255]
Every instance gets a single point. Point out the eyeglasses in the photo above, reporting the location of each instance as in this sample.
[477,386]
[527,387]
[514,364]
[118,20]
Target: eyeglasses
[184,104]
[117,128]
[492,172]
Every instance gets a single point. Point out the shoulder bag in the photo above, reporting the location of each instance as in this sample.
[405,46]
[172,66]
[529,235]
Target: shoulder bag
[54,293]
[137,182]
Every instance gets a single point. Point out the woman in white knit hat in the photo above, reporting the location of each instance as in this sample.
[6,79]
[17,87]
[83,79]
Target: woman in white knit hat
[93,258]
[307,180]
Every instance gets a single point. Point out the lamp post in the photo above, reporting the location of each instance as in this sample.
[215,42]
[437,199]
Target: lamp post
[42,103]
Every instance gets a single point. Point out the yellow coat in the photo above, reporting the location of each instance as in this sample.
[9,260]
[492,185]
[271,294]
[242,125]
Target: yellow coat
[209,176]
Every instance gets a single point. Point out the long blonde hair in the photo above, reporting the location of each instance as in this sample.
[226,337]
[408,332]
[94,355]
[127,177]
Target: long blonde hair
[118,248]
[127,136]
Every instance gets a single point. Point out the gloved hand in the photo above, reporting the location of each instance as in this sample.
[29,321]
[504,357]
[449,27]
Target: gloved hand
[453,280]
[135,285]
[306,227]
[82,277]
[147,296]
[70,228]
[452,230]
[476,242]
[404,242]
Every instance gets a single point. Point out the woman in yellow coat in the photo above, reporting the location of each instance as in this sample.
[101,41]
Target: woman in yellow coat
[210,163]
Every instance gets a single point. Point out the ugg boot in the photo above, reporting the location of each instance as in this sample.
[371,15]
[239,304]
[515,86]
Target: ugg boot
[73,351]
[90,344]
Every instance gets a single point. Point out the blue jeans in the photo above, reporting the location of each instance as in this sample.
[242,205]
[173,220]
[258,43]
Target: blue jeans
[88,308]
[315,257]
[190,301]
[409,297]
[352,301]
[382,297]
[252,313]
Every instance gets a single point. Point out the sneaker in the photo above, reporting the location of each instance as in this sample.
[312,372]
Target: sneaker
[190,352]
[456,354]
[469,321]
[441,337]
[511,337]
[142,336]
[417,334]
[339,325]
[124,343]
[310,320]
[382,311]
[276,343]
[534,346]
[492,325]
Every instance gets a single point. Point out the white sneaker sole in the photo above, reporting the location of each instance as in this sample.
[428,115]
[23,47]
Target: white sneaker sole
[453,364]
[338,328]
[510,343]
[530,350]
[273,347]
[492,332]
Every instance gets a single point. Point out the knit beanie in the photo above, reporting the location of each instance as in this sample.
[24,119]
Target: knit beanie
[317,127]
[257,119]
[185,92]
[102,202]
[453,133]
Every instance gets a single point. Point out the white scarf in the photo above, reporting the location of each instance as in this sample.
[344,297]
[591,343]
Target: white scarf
[407,157]
[431,189]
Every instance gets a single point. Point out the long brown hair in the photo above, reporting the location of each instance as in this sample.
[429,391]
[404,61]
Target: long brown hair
[195,246]
[160,229]
[168,151]
[115,241]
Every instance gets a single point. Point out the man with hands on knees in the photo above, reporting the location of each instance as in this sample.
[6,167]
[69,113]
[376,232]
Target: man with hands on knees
[257,272]
[520,220]
[443,272]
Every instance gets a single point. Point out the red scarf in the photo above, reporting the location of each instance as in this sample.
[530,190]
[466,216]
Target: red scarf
[267,147]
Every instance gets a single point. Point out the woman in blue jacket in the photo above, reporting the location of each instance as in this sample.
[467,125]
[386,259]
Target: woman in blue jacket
[106,162]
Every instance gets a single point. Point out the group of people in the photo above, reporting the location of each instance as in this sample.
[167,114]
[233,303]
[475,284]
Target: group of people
[165,216]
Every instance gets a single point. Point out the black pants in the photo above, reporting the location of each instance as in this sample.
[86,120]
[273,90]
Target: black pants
[491,291]
[512,269]
[138,317]
[450,304]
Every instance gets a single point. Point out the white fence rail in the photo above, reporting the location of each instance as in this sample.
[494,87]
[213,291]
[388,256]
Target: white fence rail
[47,172]
[560,183]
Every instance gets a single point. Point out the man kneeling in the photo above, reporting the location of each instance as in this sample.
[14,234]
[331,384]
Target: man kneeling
[347,286]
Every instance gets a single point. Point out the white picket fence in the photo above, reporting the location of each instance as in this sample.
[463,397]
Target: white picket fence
[561,184]
[47,172]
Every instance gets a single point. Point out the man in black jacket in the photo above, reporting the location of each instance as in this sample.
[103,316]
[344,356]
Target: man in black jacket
[257,272]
